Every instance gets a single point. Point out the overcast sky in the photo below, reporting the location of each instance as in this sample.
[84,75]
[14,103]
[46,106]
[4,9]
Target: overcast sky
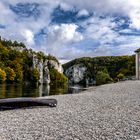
[70,29]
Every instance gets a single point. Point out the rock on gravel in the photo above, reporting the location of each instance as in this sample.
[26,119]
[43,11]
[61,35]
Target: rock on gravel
[107,112]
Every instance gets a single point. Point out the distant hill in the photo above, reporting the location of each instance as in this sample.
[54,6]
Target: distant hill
[86,69]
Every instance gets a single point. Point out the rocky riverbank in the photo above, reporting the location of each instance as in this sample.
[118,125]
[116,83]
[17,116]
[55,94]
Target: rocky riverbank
[107,112]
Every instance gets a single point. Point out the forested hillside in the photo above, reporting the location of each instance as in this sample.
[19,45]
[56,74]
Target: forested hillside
[19,64]
[113,68]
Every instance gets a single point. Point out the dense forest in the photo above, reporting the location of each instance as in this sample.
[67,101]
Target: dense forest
[107,68]
[16,64]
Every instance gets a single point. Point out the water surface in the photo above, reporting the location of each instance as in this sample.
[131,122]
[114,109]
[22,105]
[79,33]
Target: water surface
[20,90]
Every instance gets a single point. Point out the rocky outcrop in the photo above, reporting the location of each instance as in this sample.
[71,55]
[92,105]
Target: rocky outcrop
[56,65]
[43,68]
[46,75]
[76,73]
[39,65]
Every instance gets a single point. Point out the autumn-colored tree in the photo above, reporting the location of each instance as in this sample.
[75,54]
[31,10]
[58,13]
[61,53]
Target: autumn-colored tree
[58,79]
[17,67]
[2,75]
[10,74]
[35,75]
[120,76]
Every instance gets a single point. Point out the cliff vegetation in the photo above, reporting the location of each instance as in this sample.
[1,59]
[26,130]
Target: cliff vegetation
[19,64]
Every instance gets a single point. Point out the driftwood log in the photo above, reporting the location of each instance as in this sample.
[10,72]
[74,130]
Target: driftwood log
[15,103]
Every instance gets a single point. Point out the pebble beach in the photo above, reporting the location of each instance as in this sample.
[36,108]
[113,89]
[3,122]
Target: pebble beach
[107,112]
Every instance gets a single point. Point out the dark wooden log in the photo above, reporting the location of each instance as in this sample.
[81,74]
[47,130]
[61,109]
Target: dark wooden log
[15,103]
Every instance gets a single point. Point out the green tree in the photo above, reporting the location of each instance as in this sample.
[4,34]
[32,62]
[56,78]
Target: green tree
[4,53]
[103,78]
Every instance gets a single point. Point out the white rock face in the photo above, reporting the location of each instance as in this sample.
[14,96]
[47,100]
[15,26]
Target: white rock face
[76,73]
[56,65]
[18,48]
[43,69]
[46,75]
[39,65]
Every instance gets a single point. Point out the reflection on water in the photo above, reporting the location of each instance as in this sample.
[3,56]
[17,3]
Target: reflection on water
[20,90]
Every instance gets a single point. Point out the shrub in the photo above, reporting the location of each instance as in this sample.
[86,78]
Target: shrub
[120,76]
[103,78]
[57,79]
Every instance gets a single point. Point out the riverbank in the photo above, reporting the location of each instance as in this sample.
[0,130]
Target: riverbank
[106,112]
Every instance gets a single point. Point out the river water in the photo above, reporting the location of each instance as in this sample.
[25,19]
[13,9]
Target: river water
[20,90]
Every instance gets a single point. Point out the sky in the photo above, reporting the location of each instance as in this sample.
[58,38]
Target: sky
[70,29]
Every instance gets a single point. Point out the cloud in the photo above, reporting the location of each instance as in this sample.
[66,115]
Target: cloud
[63,27]
[83,12]
[60,36]
[29,36]
[135,19]
[65,33]
[26,10]
[101,30]
[66,7]
[130,8]
[69,15]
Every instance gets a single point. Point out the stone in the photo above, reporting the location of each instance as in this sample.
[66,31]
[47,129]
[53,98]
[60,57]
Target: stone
[55,65]
[76,73]
[46,75]
[43,68]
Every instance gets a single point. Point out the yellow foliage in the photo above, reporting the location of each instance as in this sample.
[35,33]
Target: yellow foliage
[10,74]
[2,75]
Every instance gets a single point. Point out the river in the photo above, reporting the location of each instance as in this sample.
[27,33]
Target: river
[20,90]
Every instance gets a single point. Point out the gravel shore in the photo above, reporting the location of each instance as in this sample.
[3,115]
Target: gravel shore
[107,112]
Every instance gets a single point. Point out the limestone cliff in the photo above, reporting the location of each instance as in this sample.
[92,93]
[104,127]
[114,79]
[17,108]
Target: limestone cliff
[29,66]
[76,73]
[56,65]
[43,68]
